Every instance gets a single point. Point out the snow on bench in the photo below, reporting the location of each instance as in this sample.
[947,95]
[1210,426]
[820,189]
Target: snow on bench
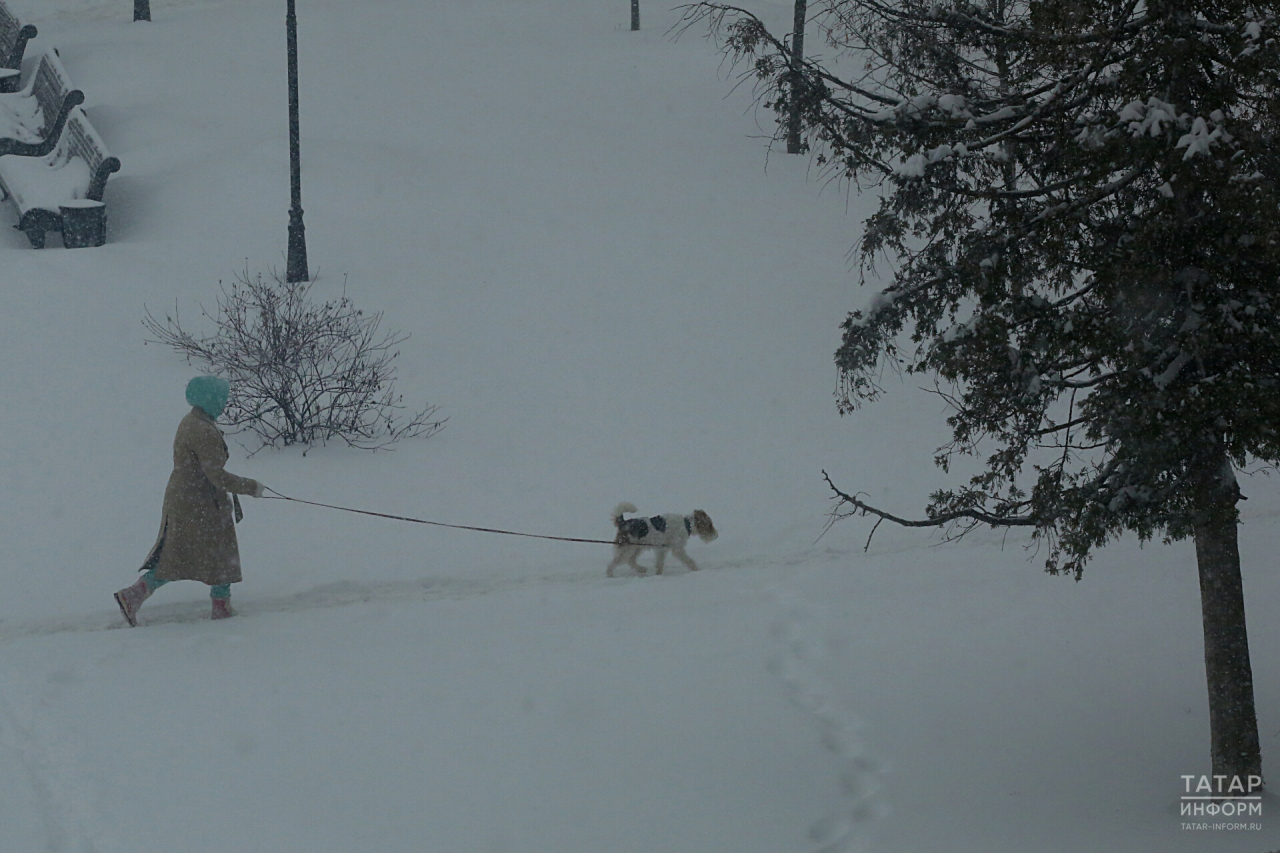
[31,120]
[62,191]
[13,44]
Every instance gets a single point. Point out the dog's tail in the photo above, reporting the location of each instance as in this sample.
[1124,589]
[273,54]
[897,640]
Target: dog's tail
[619,510]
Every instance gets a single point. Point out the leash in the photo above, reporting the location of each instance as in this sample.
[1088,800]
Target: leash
[279,497]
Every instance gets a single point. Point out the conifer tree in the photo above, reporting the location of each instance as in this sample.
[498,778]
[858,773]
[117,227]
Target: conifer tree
[1079,229]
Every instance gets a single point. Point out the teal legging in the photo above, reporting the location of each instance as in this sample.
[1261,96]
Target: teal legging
[221,591]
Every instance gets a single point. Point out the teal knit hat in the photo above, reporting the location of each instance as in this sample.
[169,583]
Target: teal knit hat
[210,393]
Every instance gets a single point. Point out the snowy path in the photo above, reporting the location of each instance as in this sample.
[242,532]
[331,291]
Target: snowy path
[323,597]
[802,644]
[579,696]
[348,592]
[49,798]
[30,804]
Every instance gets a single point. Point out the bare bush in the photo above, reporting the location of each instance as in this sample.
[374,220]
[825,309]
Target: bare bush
[301,371]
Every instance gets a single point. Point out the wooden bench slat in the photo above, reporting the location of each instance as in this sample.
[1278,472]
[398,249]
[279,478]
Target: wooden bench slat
[50,84]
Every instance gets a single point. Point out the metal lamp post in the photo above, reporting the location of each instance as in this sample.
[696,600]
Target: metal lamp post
[296,262]
[797,65]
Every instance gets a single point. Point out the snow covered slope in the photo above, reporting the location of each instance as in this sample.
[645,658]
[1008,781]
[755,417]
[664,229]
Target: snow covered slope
[614,293]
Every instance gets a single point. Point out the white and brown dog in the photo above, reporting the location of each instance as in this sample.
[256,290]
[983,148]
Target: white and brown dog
[661,532]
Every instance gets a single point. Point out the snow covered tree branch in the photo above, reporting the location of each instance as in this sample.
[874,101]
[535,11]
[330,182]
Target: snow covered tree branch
[1079,210]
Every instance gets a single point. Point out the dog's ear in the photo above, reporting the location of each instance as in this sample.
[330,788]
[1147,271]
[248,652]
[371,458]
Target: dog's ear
[702,523]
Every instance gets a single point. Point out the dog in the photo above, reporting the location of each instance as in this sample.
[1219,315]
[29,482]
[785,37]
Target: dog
[661,532]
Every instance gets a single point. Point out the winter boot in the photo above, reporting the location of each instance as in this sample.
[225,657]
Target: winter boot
[130,599]
[222,609]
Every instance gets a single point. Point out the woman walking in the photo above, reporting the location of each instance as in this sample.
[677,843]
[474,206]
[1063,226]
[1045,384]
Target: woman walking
[197,538]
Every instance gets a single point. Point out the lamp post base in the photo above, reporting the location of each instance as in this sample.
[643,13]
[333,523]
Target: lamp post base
[296,261]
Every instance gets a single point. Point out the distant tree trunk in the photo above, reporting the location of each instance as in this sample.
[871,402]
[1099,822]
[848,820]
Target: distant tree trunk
[142,10]
[797,56]
[1233,721]
[635,15]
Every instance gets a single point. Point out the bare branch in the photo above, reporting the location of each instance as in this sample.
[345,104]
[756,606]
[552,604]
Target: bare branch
[301,372]
[942,520]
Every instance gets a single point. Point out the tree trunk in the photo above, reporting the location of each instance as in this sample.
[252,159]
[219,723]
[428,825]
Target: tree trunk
[142,10]
[1233,722]
[797,55]
[635,15]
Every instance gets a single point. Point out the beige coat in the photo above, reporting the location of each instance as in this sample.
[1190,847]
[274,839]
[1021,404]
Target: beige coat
[197,538]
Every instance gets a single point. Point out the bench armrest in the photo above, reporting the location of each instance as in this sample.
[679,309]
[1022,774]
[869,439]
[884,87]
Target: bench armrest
[39,149]
[14,59]
[98,184]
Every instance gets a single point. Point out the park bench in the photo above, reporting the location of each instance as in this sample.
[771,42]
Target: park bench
[14,36]
[62,191]
[31,120]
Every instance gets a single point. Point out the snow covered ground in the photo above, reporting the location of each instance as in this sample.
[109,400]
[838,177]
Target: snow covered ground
[614,294]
